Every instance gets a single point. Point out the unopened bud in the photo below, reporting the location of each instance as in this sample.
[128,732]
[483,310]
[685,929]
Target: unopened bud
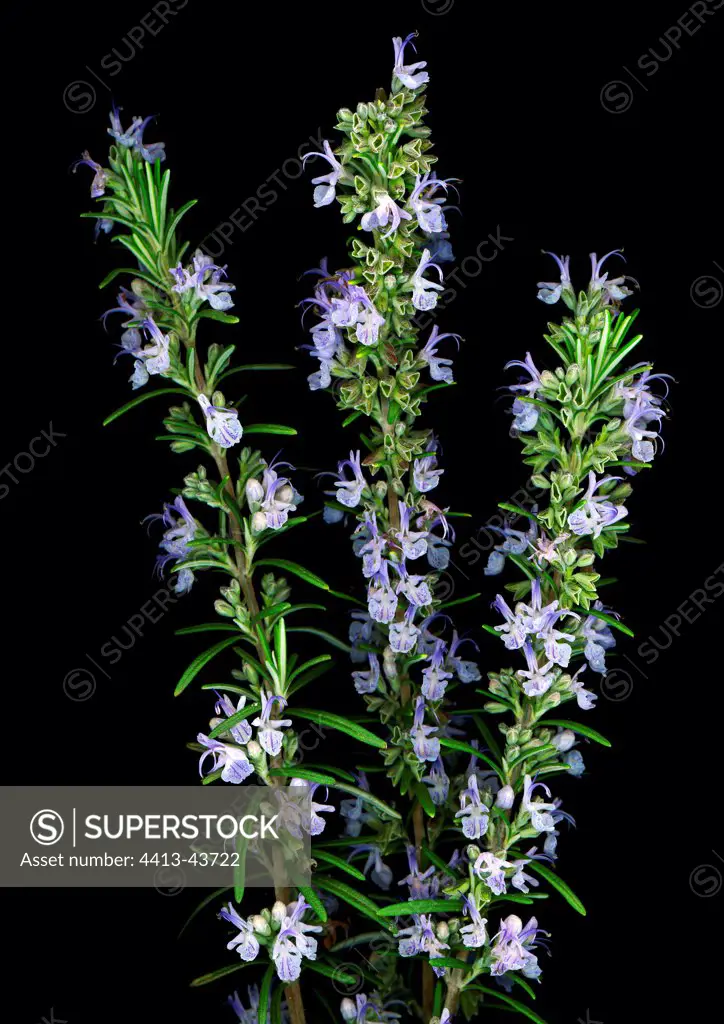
[254,490]
[348,1010]
[285,493]
[214,722]
[254,750]
[260,925]
[279,912]
[258,522]
[563,741]
[505,798]
[443,930]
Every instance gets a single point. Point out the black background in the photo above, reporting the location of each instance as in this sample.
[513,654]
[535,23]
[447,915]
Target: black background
[549,157]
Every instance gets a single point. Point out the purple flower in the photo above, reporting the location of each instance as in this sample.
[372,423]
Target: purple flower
[381,598]
[241,732]
[537,678]
[279,498]
[315,824]
[292,943]
[233,762]
[373,546]
[524,412]
[404,633]
[466,671]
[176,541]
[473,811]
[540,818]
[597,512]
[409,74]
[426,207]
[425,746]
[515,543]
[491,869]
[512,945]
[132,138]
[420,887]
[420,938]
[438,784]
[270,734]
[425,473]
[413,543]
[349,492]
[215,291]
[614,290]
[246,943]
[440,369]
[222,424]
[434,676]
[100,178]
[599,639]
[424,295]
[366,682]
[541,622]
[550,291]
[385,212]
[514,630]
[354,811]
[585,698]
[326,184]
[474,934]
[381,873]
[358,1011]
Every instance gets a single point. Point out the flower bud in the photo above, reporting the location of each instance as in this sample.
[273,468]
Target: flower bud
[505,798]
[279,912]
[258,522]
[389,664]
[254,490]
[260,924]
[563,741]
[348,1009]
[254,750]
[214,722]
[285,493]
[443,930]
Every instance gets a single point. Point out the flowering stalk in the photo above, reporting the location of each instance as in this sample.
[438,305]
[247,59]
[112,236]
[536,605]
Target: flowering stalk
[373,361]
[252,500]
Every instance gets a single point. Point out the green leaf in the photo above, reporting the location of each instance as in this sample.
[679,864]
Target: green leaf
[314,902]
[255,366]
[355,899]
[331,858]
[509,1001]
[295,569]
[517,510]
[233,720]
[466,748]
[204,903]
[319,660]
[565,890]
[265,994]
[276,1005]
[545,749]
[269,428]
[331,972]
[217,314]
[176,220]
[368,798]
[584,730]
[424,799]
[342,725]
[199,662]
[209,627]
[460,600]
[610,620]
[148,278]
[436,860]
[422,907]
[297,772]
[450,961]
[206,979]
[323,635]
[142,398]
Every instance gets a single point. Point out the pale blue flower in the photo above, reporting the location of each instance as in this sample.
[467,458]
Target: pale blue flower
[245,943]
[325,191]
[424,293]
[222,425]
[409,74]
